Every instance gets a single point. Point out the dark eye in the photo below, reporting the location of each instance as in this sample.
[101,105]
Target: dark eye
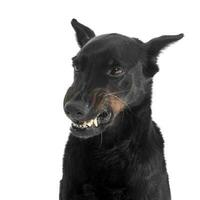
[76,68]
[116,71]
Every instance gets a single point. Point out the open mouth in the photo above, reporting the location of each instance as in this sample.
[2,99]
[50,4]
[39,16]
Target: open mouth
[100,120]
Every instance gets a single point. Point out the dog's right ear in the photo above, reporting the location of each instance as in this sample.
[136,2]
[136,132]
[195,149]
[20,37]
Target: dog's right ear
[83,33]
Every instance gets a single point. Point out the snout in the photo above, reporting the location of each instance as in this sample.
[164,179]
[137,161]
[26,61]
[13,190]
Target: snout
[76,111]
[90,120]
[87,121]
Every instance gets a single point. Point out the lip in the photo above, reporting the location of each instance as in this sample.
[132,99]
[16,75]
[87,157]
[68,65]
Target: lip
[93,126]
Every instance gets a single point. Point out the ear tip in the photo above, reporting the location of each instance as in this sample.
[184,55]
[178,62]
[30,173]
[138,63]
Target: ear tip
[74,22]
[181,35]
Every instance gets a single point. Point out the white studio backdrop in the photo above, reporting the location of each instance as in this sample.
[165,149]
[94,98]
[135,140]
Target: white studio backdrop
[36,46]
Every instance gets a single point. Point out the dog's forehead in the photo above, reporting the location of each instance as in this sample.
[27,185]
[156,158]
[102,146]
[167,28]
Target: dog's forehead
[111,45]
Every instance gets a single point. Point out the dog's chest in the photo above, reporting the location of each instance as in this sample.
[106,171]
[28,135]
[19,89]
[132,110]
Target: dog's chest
[109,166]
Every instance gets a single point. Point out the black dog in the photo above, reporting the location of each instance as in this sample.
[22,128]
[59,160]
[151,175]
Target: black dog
[115,150]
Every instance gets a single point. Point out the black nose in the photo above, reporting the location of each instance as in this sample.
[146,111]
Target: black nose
[76,110]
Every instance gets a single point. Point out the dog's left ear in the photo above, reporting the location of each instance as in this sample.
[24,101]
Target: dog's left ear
[154,47]
[83,33]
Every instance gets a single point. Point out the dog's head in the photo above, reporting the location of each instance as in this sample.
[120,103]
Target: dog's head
[112,72]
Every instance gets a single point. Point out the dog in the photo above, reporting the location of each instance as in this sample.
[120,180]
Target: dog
[115,149]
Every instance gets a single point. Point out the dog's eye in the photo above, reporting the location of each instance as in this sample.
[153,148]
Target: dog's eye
[116,71]
[76,68]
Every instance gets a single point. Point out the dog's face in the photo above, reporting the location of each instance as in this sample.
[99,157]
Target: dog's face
[110,74]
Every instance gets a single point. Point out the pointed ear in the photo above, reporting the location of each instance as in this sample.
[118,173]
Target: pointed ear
[154,47]
[83,33]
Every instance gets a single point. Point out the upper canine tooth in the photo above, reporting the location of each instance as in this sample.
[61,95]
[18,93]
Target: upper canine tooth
[95,122]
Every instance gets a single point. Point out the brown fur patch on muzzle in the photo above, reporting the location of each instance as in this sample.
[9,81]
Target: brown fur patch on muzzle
[102,99]
[116,104]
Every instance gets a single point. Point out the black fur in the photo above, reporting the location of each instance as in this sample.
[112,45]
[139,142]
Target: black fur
[123,160]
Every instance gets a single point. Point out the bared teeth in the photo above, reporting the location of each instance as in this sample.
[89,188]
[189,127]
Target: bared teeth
[86,124]
[90,123]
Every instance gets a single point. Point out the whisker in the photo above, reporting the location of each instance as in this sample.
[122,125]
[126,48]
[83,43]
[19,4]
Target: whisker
[101,139]
[119,92]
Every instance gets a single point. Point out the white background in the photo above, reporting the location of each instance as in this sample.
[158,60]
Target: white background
[36,46]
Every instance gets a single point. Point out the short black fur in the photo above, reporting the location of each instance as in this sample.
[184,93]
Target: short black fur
[122,159]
